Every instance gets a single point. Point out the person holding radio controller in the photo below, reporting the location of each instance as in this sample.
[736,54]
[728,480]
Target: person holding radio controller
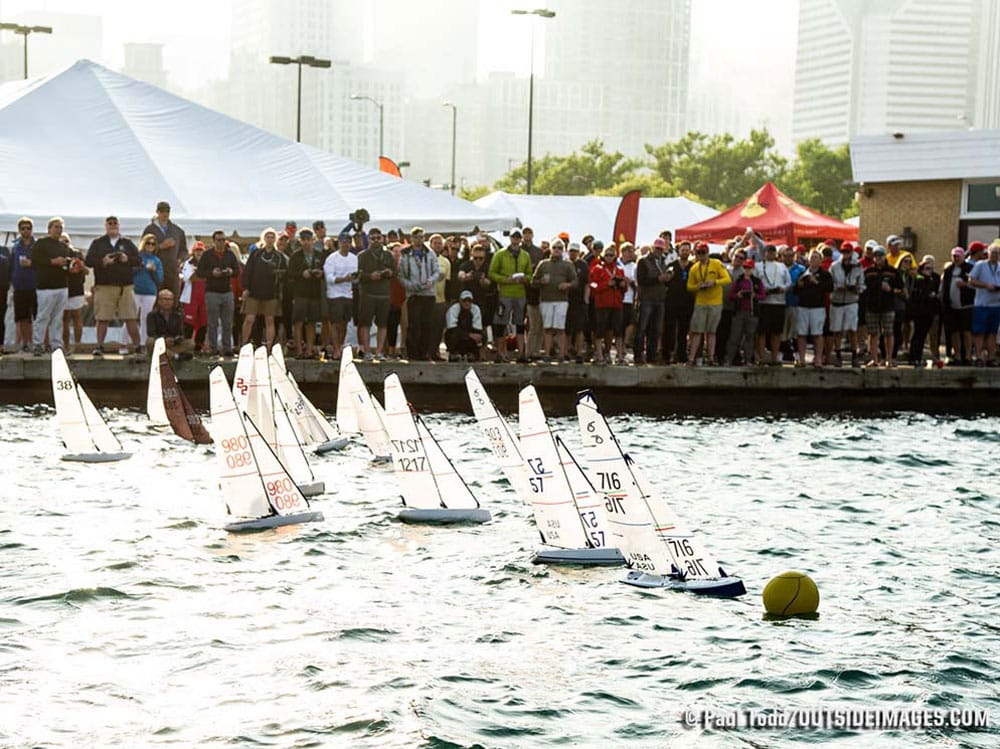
[114,259]
[341,271]
[217,267]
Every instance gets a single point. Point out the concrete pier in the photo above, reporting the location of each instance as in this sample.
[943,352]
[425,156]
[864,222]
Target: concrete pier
[121,381]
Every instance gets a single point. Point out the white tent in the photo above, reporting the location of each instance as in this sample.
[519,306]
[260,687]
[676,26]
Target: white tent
[581,215]
[87,142]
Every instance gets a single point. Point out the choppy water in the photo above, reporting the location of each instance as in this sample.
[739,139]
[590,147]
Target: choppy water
[129,619]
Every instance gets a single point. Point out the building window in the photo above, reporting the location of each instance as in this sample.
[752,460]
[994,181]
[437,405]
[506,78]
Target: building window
[983,197]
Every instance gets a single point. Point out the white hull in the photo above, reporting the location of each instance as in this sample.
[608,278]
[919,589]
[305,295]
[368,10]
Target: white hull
[722,587]
[584,557]
[445,516]
[330,445]
[96,457]
[313,489]
[273,521]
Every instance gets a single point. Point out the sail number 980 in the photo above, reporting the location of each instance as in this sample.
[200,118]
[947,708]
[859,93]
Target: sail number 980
[237,451]
[282,493]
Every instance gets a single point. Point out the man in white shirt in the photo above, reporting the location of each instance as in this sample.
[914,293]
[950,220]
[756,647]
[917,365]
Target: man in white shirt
[776,279]
[341,272]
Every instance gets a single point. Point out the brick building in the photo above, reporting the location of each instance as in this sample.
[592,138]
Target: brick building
[936,190]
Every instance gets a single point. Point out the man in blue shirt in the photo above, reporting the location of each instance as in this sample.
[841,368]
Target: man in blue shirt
[985,279]
[24,283]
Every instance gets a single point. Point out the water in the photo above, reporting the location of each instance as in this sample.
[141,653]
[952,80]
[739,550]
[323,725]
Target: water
[129,619]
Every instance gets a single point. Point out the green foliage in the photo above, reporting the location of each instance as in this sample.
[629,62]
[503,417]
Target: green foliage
[651,185]
[474,192]
[583,172]
[821,179]
[719,168]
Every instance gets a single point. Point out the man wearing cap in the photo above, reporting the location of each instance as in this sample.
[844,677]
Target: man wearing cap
[774,277]
[510,270]
[463,336]
[882,286]
[576,312]
[651,277]
[848,285]
[533,313]
[419,272]
[554,277]
[113,258]
[812,287]
[746,292]
[706,280]
[985,279]
[376,269]
[957,298]
[895,252]
[172,246]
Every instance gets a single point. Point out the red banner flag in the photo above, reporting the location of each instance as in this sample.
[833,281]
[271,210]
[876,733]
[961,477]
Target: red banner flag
[627,219]
[387,165]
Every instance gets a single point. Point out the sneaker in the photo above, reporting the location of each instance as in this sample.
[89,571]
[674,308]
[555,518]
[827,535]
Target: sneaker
[368,356]
[97,353]
[37,351]
[451,358]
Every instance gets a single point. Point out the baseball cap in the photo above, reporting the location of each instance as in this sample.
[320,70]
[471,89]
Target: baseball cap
[598,244]
[879,250]
[344,236]
[660,242]
[465,295]
[199,245]
[871,244]
[163,206]
[515,233]
[892,239]
[564,236]
[305,233]
[574,246]
[749,264]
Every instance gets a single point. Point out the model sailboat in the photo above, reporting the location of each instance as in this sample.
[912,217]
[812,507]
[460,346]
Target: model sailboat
[166,403]
[370,415]
[569,516]
[85,434]
[323,437]
[256,487]
[432,490]
[661,551]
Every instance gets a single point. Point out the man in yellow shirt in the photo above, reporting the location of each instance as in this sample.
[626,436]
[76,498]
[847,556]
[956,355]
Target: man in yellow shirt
[895,252]
[706,280]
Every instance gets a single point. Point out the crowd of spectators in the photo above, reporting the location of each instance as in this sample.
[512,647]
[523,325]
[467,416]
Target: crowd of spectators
[405,294]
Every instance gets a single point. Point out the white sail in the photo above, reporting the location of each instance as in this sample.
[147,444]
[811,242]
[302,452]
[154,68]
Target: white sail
[279,356]
[454,492]
[347,418]
[241,379]
[409,458]
[289,450]
[589,503]
[306,431]
[318,419]
[648,532]
[260,398]
[370,423]
[104,440]
[155,409]
[552,498]
[69,410]
[254,484]
[498,434]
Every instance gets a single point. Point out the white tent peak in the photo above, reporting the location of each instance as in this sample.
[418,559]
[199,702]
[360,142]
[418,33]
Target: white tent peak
[87,142]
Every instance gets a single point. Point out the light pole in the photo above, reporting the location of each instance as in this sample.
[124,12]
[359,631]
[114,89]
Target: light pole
[25,31]
[541,13]
[454,132]
[381,121]
[310,61]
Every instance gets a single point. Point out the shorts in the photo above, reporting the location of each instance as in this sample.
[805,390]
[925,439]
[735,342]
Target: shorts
[880,323]
[74,303]
[772,319]
[25,304]
[843,317]
[305,309]
[985,320]
[553,315]
[607,320]
[339,309]
[576,318]
[705,318]
[265,307]
[115,302]
[810,321]
[373,308]
[791,323]
[958,319]
[510,311]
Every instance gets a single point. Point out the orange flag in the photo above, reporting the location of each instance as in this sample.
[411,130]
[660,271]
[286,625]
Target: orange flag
[387,165]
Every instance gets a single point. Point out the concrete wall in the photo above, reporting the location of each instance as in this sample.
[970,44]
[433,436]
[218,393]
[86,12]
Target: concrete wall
[930,208]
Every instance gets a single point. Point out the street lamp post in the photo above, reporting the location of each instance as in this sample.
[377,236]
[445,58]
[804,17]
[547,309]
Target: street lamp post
[454,132]
[541,13]
[309,61]
[381,121]
[25,31]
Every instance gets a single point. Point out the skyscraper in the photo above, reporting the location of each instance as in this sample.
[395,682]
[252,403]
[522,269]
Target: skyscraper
[895,66]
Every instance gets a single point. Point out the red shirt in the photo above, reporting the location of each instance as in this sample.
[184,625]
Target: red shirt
[606,295]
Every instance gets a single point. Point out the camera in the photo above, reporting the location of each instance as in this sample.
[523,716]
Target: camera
[359,218]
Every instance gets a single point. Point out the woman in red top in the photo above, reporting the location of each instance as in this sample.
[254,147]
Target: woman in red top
[607,289]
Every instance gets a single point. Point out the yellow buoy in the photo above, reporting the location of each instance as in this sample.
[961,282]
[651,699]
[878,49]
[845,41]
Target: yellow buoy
[791,594]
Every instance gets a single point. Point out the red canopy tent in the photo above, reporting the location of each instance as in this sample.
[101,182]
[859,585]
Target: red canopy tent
[773,215]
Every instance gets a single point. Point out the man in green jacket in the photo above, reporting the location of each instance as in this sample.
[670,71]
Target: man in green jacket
[510,270]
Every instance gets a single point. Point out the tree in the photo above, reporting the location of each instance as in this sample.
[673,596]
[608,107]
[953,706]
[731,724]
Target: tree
[650,184]
[474,192]
[582,172]
[719,168]
[821,179]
